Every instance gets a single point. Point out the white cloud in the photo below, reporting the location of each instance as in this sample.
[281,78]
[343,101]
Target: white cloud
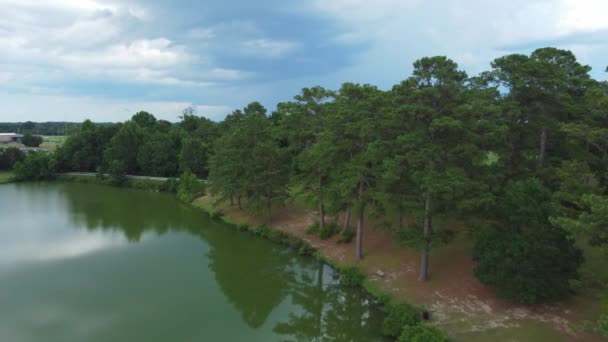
[473,32]
[79,39]
[583,15]
[78,5]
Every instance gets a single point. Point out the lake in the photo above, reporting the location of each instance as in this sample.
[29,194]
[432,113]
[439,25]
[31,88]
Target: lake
[83,262]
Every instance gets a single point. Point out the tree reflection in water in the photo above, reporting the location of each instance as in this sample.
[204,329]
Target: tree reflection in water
[254,275]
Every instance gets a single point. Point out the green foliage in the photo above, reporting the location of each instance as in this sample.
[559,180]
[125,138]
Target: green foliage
[313,229]
[534,265]
[189,187]
[602,324]
[351,277]
[328,231]
[347,236]
[31,140]
[249,163]
[194,156]
[118,173]
[306,249]
[397,317]
[262,230]
[524,257]
[84,149]
[9,157]
[170,185]
[525,203]
[421,333]
[157,155]
[217,214]
[36,166]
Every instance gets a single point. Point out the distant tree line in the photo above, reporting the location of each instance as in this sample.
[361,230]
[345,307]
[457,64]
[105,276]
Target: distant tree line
[519,153]
[38,128]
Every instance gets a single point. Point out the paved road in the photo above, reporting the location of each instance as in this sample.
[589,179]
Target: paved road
[91,174]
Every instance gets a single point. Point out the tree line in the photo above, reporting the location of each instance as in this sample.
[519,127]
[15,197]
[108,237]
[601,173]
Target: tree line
[519,153]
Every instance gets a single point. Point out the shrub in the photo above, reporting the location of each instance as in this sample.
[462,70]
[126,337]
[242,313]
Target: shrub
[351,277]
[189,187]
[35,167]
[118,172]
[262,230]
[328,231]
[170,185]
[347,236]
[242,228]
[217,214]
[9,157]
[306,249]
[398,316]
[313,229]
[532,266]
[421,333]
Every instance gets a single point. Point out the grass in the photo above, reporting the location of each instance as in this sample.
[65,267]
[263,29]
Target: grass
[5,177]
[52,142]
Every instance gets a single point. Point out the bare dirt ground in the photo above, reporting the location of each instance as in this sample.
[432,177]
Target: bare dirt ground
[458,302]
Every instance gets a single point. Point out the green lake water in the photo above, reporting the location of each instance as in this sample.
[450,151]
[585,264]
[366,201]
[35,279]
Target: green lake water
[92,263]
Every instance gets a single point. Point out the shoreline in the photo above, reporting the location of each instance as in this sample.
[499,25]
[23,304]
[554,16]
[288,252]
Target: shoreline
[476,319]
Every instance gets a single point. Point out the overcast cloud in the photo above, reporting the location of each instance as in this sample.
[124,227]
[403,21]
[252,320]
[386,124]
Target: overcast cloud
[104,60]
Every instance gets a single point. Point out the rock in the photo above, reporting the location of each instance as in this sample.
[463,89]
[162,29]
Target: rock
[380,274]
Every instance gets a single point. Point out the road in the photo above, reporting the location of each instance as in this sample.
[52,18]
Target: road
[92,174]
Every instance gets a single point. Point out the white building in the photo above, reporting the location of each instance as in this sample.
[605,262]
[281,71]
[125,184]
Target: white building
[7,138]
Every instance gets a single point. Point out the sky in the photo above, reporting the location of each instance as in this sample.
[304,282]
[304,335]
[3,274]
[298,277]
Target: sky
[71,60]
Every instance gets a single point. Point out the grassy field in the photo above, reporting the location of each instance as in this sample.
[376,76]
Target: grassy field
[52,142]
[5,177]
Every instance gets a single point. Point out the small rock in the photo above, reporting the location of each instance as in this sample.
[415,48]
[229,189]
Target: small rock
[380,274]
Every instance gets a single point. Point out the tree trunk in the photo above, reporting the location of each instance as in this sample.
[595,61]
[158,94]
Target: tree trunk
[424,257]
[321,216]
[347,219]
[543,146]
[238,200]
[360,224]
[269,207]
[400,219]
[321,205]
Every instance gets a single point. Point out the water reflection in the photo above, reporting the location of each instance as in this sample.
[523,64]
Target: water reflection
[326,308]
[278,295]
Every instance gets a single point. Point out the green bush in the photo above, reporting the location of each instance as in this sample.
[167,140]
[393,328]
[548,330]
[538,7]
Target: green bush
[313,229]
[35,167]
[242,228]
[9,157]
[262,230]
[397,317]
[217,214]
[532,266]
[306,249]
[118,173]
[170,185]
[328,231]
[347,236]
[189,187]
[421,333]
[351,277]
